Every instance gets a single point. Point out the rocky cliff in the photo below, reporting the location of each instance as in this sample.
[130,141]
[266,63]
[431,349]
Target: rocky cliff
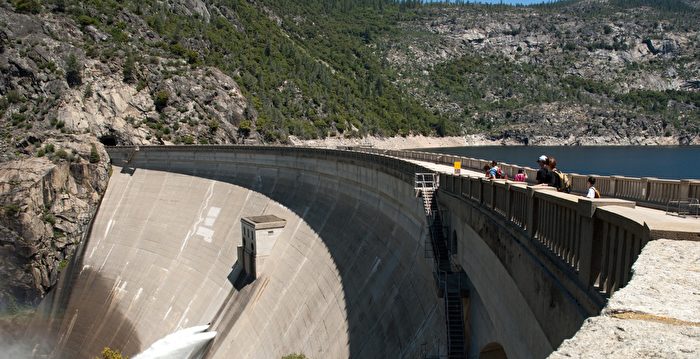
[47,202]
[67,90]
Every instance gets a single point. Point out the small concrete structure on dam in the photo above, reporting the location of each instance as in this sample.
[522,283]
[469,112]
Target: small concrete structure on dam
[338,254]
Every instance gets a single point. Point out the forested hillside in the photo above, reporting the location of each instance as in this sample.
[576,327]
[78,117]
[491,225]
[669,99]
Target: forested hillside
[312,69]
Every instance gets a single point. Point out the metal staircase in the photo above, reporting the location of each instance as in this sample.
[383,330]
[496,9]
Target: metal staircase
[448,281]
[455,317]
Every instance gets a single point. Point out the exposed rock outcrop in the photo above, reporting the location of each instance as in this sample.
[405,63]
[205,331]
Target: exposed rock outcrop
[47,203]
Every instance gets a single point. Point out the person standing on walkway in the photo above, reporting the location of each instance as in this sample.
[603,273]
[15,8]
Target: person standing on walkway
[543,175]
[560,180]
[554,179]
[592,191]
[495,171]
[521,176]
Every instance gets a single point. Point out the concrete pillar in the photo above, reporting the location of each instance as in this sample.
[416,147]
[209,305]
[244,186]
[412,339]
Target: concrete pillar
[646,186]
[684,190]
[533,207]
[590,250]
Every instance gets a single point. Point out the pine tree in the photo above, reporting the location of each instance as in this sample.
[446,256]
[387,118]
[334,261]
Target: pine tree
[74,75]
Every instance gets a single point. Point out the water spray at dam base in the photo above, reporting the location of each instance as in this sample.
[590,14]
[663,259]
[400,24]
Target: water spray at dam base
[188,343]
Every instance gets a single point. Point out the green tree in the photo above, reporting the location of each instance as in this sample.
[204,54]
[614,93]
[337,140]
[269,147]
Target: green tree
[74,75]
[161,100]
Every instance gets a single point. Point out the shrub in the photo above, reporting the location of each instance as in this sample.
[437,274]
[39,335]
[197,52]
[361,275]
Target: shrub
[294,356]
[88,91]
[85,20]
[74,75]
[108,353]
[94,155]
[129,70]
[213,125]
[13,96]
[49,218]
[27,6]
[62,154]
[11,209]
[50,148]
[18,118]
[161,100]
[140,85]
[244,128]
[63,264]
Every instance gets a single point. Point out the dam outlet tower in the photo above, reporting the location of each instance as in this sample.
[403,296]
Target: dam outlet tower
[259,236]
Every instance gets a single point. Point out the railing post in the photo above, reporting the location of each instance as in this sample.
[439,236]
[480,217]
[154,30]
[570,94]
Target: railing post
[531,224]
[646,187]
[586,209]
[509,194]
[684,189]
[481,191]
[533,207]
[613,189]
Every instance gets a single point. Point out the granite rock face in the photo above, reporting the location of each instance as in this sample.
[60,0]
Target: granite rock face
[122,96]
[657,315]
[47,202]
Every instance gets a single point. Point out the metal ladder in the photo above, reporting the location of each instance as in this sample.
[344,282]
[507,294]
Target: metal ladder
[447,280]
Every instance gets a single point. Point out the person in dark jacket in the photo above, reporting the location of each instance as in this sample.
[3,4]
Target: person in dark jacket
[554,179]
[543,174]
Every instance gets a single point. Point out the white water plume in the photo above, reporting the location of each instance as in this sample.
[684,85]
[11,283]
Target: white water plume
[187,343]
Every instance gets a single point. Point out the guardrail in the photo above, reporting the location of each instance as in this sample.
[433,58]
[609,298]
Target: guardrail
[596,245]
[649,192]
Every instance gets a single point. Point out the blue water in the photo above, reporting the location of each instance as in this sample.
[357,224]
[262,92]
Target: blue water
[671,162]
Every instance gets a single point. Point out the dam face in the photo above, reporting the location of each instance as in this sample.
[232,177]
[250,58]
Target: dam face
[347,277]
[339,256]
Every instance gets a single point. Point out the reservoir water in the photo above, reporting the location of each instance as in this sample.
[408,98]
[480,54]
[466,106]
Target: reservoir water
[671,162]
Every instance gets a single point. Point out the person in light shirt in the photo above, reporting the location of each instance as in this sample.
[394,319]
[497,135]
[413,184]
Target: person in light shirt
[592,191]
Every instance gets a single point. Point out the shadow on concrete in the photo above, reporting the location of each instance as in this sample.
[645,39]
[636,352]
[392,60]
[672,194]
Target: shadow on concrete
[79,322]
[128,170]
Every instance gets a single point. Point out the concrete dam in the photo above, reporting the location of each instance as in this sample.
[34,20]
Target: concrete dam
[346,263]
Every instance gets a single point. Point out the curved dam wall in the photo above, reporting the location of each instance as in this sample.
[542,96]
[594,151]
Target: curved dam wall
[348,276]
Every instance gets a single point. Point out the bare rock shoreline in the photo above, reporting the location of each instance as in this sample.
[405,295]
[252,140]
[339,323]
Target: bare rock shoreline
[483,140]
